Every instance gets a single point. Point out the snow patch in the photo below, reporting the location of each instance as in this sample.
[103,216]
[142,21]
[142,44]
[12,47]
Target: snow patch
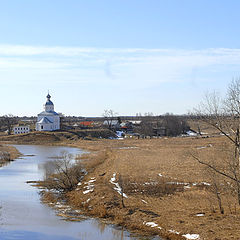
[206,183]
[160,175]
[117,186]
[92,180]
[200,215]
[173,231]
[209,145]
[178,183]
[89,186]
[191,236]
[191,133]
[87,201]
[127,147]
[144,201]
[88,191]
[151,224]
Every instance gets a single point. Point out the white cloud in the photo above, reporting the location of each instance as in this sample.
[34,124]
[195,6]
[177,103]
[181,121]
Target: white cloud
[143,67]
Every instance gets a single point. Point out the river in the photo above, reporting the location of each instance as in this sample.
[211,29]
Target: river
[24,217]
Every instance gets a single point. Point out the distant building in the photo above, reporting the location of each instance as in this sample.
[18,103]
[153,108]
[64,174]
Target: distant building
[48,120]
[21,129]
[110,123]
[86,124]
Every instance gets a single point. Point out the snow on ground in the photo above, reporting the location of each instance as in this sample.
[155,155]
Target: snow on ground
[191,133]
[151,224]
[144,201]
[191,236]
[178,183]
[187,236]
[173,231]
[87,201]
[205,183]
[127,147]
[117,186]
[160,175]
[89,186]
[200,215]
[202,147]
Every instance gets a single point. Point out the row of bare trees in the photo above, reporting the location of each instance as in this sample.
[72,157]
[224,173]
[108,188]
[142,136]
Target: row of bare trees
[151,125]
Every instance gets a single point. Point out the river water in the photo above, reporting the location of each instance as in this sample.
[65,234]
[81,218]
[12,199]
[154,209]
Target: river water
[24,217]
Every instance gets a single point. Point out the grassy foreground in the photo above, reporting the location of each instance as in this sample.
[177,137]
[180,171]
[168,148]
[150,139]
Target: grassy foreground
[167,192]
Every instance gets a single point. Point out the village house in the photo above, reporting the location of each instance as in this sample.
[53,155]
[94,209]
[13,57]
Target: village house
[21,129]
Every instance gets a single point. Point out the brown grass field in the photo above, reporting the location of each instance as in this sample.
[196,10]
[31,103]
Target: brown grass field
[173,207]
[163,182]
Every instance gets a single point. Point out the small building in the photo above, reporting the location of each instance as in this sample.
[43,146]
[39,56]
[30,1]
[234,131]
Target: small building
[21,129]
[86,124]
[111,123]
[48,120]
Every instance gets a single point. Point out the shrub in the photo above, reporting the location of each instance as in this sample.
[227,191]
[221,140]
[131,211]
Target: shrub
[63,174]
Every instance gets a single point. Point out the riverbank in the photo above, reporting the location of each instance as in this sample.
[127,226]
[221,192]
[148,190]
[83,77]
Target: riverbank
[166,191]
[8,154]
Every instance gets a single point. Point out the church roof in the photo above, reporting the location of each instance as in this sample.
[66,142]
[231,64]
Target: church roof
[44,120]
[48,113]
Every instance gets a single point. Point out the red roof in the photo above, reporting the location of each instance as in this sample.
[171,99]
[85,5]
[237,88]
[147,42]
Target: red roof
[86,123]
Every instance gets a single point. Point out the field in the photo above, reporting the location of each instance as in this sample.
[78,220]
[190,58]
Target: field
[164,185]
[167,191]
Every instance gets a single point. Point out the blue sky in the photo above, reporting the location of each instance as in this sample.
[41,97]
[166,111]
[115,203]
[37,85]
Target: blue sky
[128,55]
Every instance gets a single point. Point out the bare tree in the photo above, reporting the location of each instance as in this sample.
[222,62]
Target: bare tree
[109,115]
[146,127]
[223,114]
[174,125]
[8,121]
[63,174]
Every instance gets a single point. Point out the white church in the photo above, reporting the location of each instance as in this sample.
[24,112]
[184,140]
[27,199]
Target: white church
[48,120]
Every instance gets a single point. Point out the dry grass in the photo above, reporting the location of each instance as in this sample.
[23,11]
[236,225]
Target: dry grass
[48,197]
[7,154]
[57,137]
[171,206]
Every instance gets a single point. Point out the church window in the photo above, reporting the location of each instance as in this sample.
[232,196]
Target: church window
[42,127]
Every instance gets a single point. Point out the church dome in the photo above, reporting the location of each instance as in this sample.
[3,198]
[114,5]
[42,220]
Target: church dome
[49,102]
